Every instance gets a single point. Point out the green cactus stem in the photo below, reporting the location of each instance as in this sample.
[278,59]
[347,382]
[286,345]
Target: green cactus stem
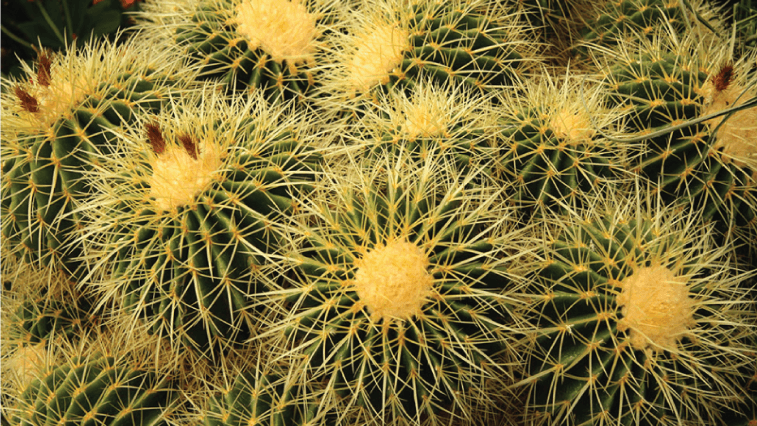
[401,291]
[185,220]
[55,127]
[635,310]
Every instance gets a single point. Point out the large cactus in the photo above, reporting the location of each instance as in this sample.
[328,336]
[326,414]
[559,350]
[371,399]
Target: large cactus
[400,297]
[185,218]
[635,311]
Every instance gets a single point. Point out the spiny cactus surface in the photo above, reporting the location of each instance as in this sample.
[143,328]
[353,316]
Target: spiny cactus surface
[183,220]
[663,90]
[55,127]
[95,391]
[265,45]
[400,299]
[636,323]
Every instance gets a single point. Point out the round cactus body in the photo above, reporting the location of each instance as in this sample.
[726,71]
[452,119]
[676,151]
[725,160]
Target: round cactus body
[55,127]
[450,121]
[267,45]
[393,44]
[635,316]
[688,164]
[94,391]
[184,221]
[550,148]
[400,297]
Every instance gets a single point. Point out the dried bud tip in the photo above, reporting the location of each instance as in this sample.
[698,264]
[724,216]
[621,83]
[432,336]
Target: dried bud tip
[44,63]
[722,79]
[189,144]
[28,102]
[156,137]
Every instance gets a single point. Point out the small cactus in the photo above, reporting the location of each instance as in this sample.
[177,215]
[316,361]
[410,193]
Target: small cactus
[550,149]
[43,318]
[450,120]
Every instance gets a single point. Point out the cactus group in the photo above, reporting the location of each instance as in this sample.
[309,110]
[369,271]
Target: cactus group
[384,212]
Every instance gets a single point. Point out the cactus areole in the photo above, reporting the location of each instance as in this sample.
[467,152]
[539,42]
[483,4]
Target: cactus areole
[282,28]
[656,307]
[392,280]
[181,173]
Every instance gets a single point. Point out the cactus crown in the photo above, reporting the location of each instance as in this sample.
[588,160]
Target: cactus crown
[640,288]
[61,81]
[283,28]
[410,261]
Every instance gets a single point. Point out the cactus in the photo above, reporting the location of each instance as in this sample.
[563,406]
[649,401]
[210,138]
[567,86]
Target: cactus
[549,146]
[623,22]
[95,390]
[554,19]
[630,18]
[393,44]
[401,290]
[665,89]
[449,120]
[42,318]
[272,46]
[55,126]
[257,397]
[183,222]
[635,310]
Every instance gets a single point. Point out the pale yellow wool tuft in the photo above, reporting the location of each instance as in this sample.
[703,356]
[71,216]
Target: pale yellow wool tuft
[392,280]
[26,364]
[67,88]
[283,29]
[379,52]
[177,177]
[656,306]
[571,125]
[425,119]
[737,137]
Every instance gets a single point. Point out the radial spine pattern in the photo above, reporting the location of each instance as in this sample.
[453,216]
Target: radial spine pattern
[402,292]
